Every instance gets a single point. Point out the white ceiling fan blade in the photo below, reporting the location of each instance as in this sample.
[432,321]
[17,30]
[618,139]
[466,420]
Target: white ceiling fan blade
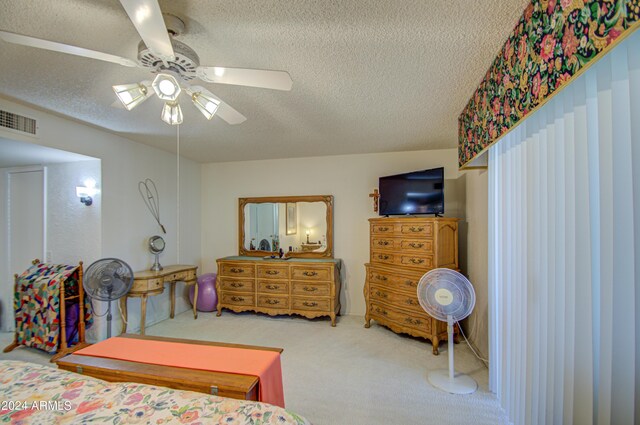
[118,105]
[226,112]
[277,80]
[147,18]
[230,115]
[64,48]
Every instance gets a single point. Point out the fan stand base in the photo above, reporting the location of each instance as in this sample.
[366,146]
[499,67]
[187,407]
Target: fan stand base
[460,384]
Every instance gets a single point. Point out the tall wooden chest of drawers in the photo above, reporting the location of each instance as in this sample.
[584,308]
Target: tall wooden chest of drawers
[307,287]
[402,250]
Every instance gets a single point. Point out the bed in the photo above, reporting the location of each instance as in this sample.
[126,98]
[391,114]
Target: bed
[31,393]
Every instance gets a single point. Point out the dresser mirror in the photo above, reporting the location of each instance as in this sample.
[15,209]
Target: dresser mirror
[302,226]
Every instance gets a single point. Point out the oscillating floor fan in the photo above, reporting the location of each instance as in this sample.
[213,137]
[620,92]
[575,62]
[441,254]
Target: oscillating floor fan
[108,279]
[447,295]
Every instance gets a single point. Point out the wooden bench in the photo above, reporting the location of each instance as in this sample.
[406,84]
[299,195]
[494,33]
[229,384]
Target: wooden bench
[243,387]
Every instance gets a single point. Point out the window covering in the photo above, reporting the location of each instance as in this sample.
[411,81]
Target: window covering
[564,253]
[554,41]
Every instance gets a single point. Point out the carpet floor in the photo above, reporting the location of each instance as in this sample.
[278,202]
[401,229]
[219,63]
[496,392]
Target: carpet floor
[347,375]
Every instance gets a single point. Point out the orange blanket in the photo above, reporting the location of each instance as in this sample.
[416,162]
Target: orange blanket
[263,364]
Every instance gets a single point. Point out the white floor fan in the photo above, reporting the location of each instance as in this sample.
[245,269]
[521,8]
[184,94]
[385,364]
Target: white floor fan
[447,295]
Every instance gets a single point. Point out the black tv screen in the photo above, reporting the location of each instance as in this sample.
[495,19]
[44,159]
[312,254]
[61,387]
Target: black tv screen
[419,192]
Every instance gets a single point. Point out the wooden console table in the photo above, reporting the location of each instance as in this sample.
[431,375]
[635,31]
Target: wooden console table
[149,283]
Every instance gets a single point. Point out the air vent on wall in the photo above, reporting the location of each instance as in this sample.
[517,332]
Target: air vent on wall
[17,122]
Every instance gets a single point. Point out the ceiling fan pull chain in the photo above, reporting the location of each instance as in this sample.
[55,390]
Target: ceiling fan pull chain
[178,192]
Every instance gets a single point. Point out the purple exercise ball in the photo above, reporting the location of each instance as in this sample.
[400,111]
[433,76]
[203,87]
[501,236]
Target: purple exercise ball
[207,296]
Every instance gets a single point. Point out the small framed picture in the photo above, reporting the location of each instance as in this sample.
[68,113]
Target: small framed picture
[292,220]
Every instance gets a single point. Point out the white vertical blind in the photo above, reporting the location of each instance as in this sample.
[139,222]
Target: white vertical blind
[564,253]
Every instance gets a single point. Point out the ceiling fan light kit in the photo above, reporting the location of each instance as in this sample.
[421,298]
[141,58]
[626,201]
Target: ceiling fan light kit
[166,87]
[206,104]
[131,95]
[172,113]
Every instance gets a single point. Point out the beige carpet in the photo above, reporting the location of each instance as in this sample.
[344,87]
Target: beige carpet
[347,375]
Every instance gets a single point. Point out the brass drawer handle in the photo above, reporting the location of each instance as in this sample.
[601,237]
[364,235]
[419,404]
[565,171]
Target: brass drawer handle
[273,287]
[272,272]
[383,257]
[382,229]
[310,274]
[416,245]
[273,302]
[416,229]
[381,294]
[412,321]
[236,299]
[310,288]
[383,243]
[310,304]
[416,260]
[381,278]
[410,283]
[236,284]
[381,311]
[234,270]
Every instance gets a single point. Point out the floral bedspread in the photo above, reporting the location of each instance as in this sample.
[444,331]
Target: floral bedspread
[35,394]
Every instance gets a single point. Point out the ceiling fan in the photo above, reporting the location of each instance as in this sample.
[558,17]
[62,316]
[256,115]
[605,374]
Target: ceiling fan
[174,63]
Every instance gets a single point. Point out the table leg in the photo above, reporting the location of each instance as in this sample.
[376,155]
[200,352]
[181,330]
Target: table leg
[123,307]
[173,299]
[195,301]
[11,346]
[143,312]
[436,343]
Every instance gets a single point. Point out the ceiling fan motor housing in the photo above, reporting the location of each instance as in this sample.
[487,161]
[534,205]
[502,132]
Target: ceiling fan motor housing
[184,65]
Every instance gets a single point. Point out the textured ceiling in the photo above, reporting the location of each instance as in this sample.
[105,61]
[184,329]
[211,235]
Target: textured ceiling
[368,75]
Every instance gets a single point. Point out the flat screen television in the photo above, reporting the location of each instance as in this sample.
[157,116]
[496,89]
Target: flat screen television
[418,192]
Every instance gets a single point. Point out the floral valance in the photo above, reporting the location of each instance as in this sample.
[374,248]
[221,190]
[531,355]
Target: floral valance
[553,41]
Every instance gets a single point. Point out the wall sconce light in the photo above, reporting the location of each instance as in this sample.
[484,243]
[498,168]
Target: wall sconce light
[86,192]
[308,232]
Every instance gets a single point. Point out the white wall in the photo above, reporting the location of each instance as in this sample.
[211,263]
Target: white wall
[6,285]
[74,230]
[126,222]
[349,178]
[477,325]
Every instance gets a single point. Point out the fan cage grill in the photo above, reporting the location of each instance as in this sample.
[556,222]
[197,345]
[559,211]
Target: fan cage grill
[461,290]
[108,279]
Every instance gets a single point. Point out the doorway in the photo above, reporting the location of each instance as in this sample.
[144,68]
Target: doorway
[26,225]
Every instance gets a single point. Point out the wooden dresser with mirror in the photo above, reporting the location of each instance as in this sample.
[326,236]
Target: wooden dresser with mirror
[304,281]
